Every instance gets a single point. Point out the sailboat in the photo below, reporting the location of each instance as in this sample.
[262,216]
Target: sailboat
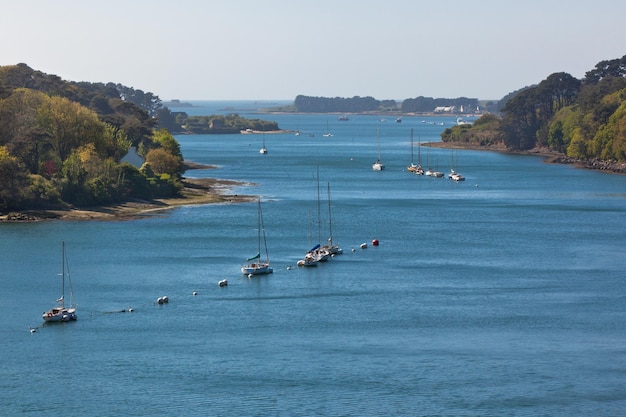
[317,253]
[455,176]
[412,167]
[60,312]
[378,165]
[320,253]
[255,265]
[419,170]
[331,247]
[327,134]
[263,149]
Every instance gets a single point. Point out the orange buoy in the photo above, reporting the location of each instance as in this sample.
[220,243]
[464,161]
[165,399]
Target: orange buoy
[375,242]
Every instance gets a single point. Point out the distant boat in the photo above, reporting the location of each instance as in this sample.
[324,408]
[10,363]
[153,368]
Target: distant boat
[263,149]
[343,118]
[327,134]
[255,265]
[61,313]
[455,176]
[399,120]
[378,165]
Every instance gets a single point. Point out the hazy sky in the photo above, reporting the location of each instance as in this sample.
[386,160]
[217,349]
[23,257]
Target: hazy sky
[277,49]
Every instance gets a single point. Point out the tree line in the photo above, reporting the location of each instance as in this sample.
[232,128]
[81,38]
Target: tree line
[582,119]
[308,104]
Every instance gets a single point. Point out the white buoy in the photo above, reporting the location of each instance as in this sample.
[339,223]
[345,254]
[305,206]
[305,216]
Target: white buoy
[194,292]
[130,309]
[32,330]
[363,245]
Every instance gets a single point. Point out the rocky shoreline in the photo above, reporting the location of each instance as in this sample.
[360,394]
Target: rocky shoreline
[551,156]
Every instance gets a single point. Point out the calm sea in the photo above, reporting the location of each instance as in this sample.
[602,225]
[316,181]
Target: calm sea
[501,295]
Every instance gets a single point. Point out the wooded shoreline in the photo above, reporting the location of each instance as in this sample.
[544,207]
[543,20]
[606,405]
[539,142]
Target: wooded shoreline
[196,191]
[551,156]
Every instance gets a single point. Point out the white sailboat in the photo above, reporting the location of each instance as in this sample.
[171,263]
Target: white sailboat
[454,176]
[263,149]
[60,313]
[378,165]
[256,265]
[320,253]
[327,134]
[317,253]
[416,169]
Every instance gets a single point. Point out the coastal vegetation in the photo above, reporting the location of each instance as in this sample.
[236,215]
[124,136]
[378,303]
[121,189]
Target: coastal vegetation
[62,143]
[224,124]
[583,120]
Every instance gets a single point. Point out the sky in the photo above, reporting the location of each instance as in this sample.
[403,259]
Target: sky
[278,49]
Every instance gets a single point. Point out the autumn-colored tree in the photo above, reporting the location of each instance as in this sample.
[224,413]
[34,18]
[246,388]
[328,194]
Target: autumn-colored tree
[163,162]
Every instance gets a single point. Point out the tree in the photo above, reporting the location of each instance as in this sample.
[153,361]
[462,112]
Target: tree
[163,162]
[13,181]
[527,115]
[607,68]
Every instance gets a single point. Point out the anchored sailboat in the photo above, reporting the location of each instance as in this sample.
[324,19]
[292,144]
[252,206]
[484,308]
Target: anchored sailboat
[416,169]
[255,265]
[378,165]
[60,312]
[263,149]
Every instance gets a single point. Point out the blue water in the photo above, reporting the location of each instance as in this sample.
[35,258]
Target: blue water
[501,295]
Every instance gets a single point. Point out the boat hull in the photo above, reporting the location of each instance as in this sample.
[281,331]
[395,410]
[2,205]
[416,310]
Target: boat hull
[59,315]
[256,269]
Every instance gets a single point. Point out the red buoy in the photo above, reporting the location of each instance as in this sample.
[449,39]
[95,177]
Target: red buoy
[375,242]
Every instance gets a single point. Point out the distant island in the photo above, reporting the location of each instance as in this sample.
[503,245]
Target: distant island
[364,105]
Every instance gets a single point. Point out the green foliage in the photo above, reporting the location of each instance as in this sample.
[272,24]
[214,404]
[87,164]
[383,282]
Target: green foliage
[485,131]
[223,124]
[62,143]
[585,119]
[526,116]
[423,104]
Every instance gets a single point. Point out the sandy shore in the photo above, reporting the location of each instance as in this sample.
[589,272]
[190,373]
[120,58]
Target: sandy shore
[195,191]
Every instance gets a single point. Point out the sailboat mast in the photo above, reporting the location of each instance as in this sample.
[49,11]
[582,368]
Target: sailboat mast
[319,215]
[378,140]
[419,155]
[330,219]
[411,146]
[63,274]
[259,225]
[262,227]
